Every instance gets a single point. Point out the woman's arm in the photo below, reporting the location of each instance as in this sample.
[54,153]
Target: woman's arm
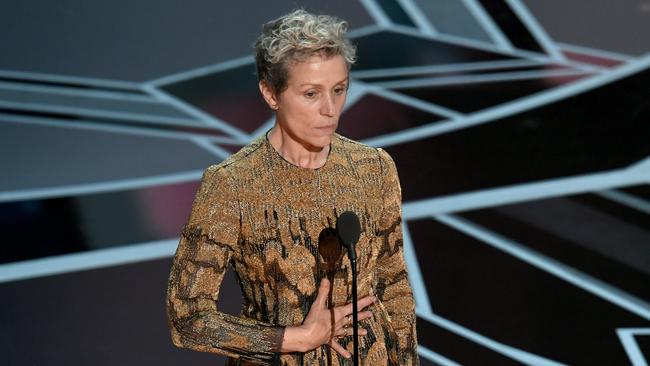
[393,288]
[198,268]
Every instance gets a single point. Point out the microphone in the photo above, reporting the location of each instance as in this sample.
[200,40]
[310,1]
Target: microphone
[348,230]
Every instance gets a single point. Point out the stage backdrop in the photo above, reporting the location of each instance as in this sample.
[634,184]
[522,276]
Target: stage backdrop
[520,129]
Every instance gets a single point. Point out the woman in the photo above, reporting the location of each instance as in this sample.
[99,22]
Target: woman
[269,210]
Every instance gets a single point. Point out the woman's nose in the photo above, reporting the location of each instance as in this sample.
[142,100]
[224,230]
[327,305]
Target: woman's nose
[328,106]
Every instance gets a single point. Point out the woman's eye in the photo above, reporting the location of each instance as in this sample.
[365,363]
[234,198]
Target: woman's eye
[339,90]
[310,94]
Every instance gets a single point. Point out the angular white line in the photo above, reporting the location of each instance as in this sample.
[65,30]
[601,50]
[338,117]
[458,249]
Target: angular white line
[99,258]
[489,47]
[526,358]
[201,71]
[515,106]
[420,293]
[86,93]
[87,112]
[626,199]
[364,31]
[435,357]
[523,192]
[105,83]
[442,68]
[489,26]
[596,52]
[547,264]
[536,30]
[414,102]
[471,43]
[376,12]
[626,335]
[417,16]
[267,125]
[100,187]
[211,148]
[643,165]
[356,91]
[105,127]
[199,114]
[478,78]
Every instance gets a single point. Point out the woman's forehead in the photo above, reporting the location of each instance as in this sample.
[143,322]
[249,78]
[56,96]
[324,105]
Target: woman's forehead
[317,70]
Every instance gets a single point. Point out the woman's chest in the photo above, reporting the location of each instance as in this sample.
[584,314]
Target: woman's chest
[290,233]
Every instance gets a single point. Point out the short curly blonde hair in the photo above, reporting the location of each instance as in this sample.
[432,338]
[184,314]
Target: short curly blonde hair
[293,38]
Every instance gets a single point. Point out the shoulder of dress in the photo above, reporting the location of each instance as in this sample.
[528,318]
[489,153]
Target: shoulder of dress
[385,156]
[359,148]
[237,160]
[355,146]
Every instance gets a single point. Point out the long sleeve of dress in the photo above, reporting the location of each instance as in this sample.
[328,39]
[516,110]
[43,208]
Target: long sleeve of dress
[202,257]
[393,288]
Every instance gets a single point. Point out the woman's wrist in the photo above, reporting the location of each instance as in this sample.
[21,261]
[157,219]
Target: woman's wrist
[296,339]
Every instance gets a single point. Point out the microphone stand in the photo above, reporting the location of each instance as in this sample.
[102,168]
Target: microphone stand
[348,230]
[355,310]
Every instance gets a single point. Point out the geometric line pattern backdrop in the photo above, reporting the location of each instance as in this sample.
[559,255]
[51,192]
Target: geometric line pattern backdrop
[523,158]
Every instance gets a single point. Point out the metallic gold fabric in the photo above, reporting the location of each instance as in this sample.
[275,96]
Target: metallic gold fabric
[268,219]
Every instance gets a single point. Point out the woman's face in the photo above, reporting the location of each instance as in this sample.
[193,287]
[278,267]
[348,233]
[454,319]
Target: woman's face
[308,110]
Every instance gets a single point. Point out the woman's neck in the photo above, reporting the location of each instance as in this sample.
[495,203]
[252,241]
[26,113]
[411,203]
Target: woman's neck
[295,152]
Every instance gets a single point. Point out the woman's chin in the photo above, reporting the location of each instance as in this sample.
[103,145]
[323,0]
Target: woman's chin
[320,142]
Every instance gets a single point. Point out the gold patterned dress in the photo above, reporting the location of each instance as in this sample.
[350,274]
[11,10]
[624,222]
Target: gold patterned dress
[273,223]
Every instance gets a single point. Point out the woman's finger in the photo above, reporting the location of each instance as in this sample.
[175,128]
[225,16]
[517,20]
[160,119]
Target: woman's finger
[368,300]
[343,333]
[364,315]
[362,332]
[323,291]
[338,348]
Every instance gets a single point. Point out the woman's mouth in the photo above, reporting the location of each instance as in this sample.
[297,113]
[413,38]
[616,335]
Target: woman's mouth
[328,128]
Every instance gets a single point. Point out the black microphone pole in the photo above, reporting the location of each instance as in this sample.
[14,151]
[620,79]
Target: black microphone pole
[349,230]
[355,310]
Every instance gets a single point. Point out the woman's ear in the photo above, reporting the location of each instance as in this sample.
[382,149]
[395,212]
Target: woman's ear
[268,94]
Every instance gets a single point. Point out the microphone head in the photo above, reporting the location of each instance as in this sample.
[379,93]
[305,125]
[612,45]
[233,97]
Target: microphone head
[348,230]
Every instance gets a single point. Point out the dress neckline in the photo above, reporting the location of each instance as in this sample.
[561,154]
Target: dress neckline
[276,153]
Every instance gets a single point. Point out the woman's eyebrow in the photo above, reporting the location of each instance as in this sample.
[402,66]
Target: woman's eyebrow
[319,84]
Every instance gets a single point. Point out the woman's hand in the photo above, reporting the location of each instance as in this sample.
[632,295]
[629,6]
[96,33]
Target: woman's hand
[323,324]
